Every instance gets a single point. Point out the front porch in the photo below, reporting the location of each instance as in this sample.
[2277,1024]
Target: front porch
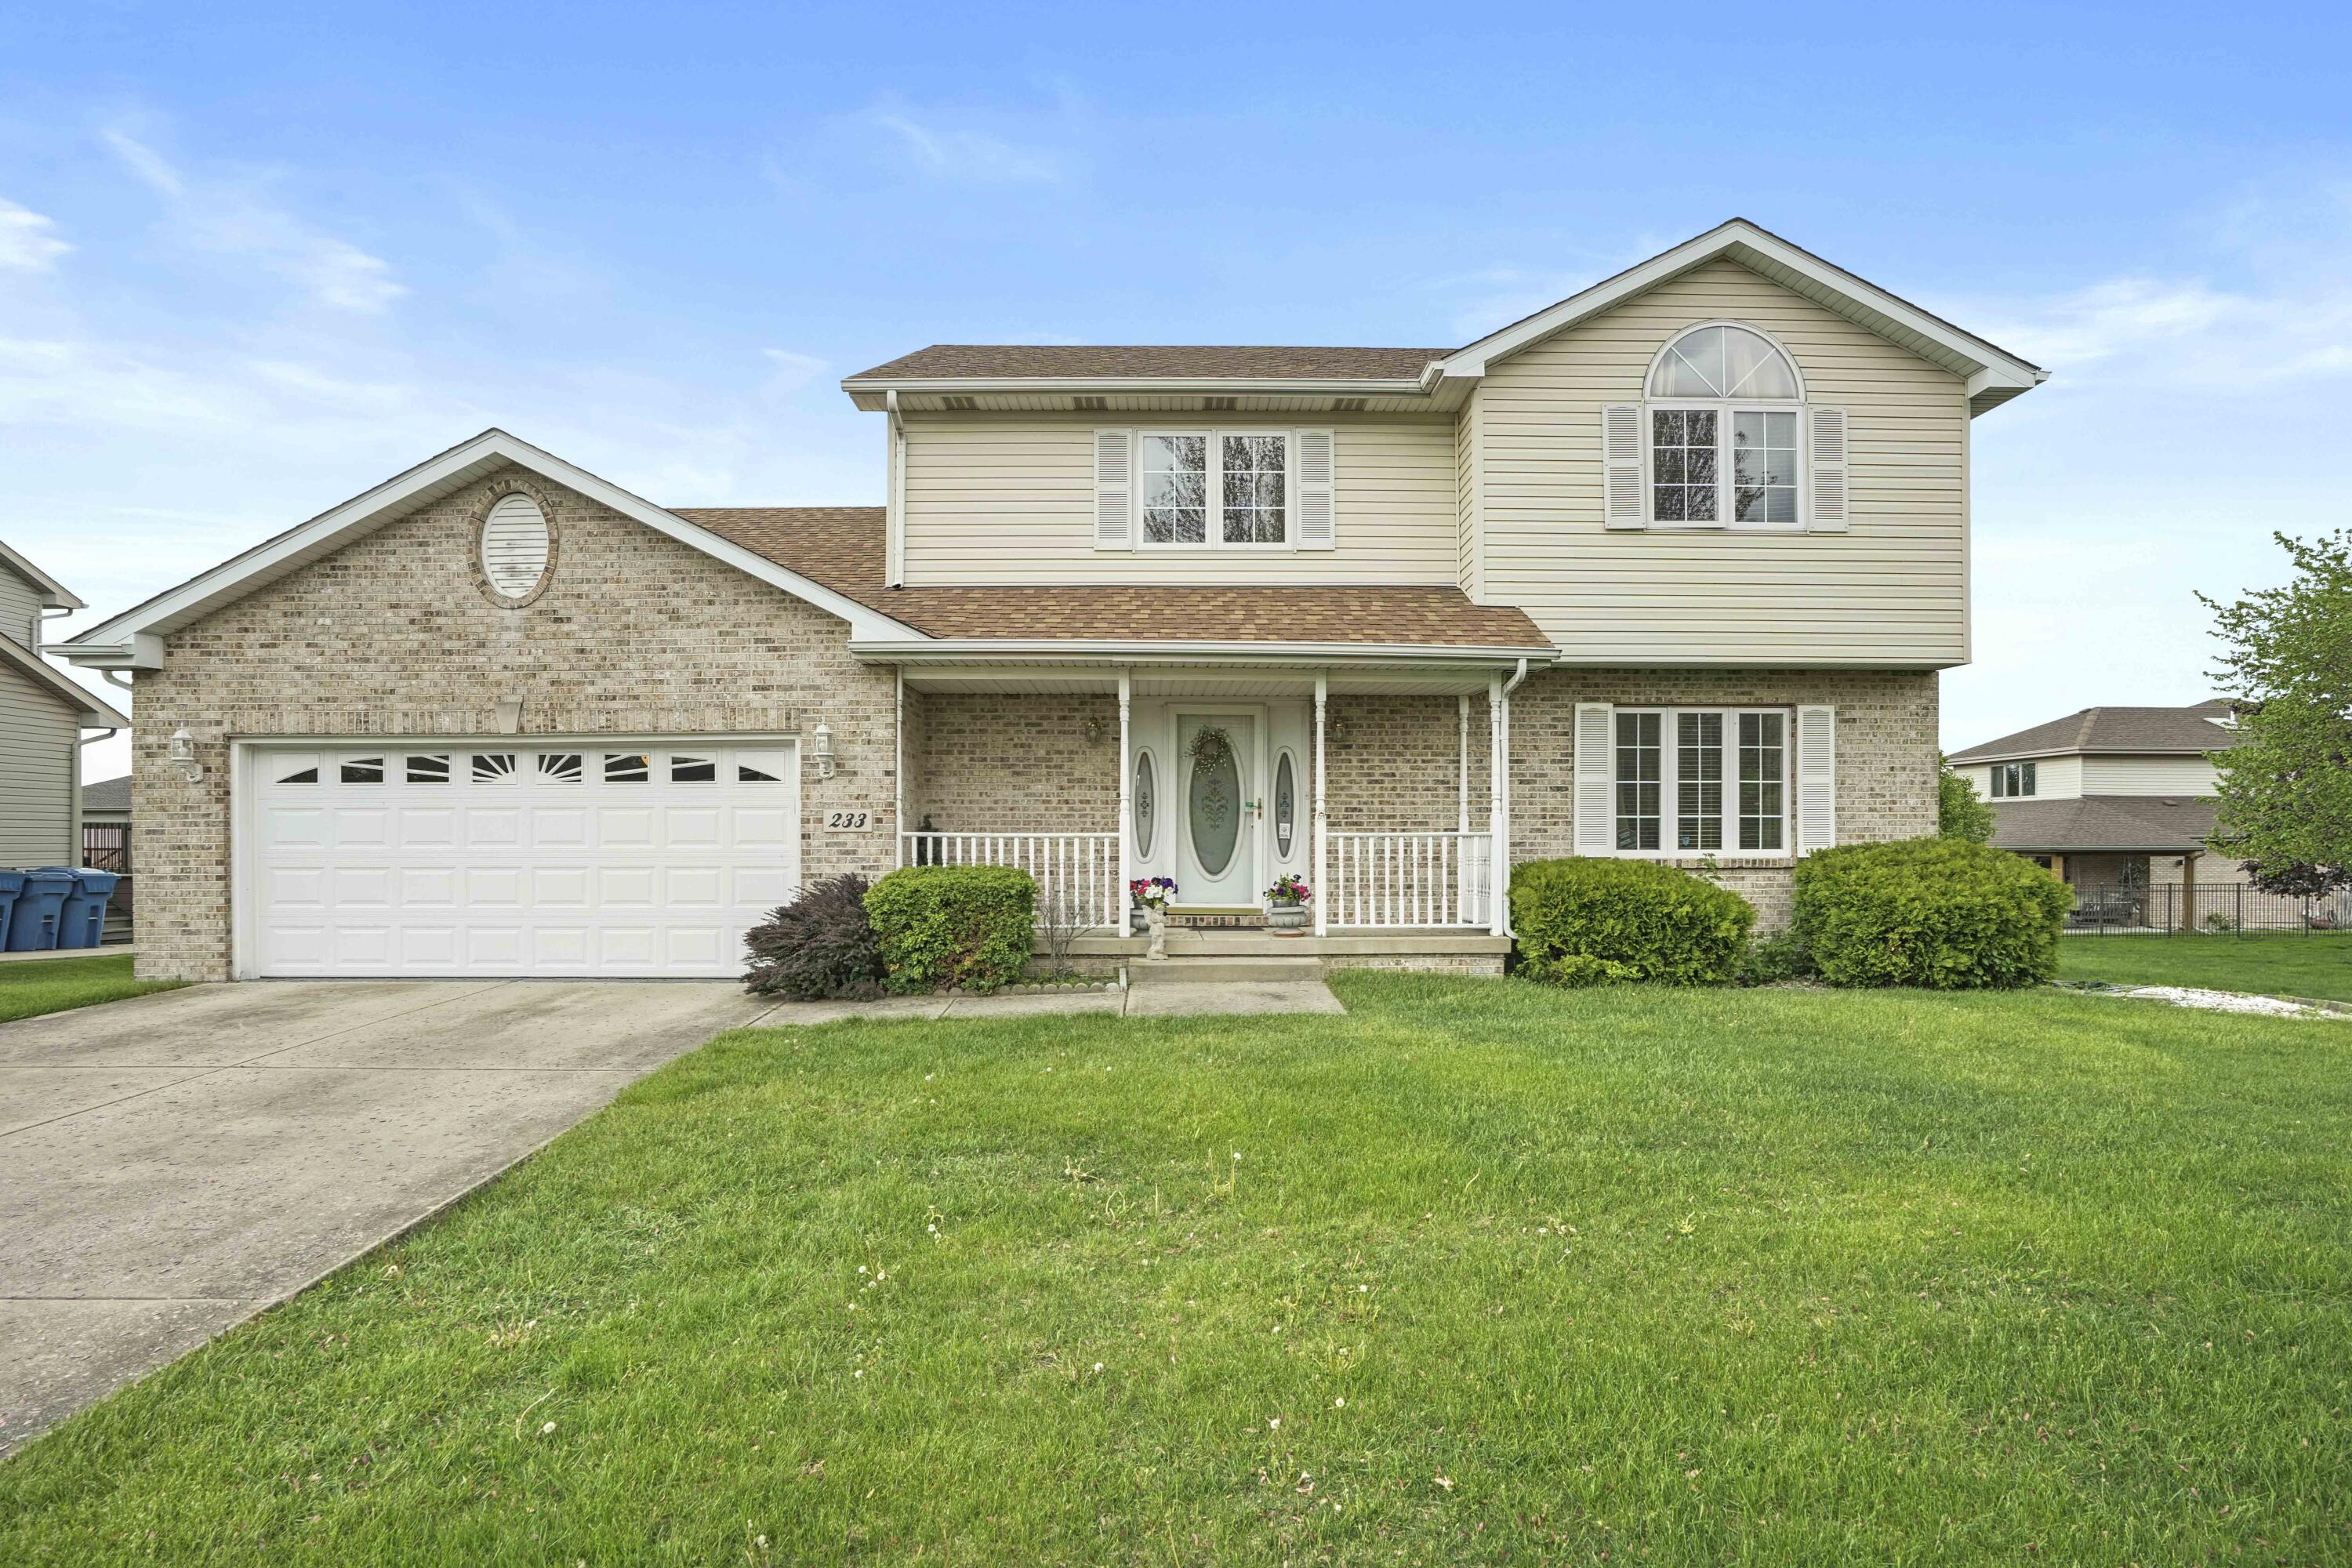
[1369,783]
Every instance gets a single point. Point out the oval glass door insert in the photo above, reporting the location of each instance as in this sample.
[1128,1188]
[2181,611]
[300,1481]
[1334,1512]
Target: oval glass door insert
[1144,815]
[1284,810]
[1213,805]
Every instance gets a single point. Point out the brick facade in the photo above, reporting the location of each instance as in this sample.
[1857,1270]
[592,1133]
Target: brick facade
[396,635]
[1886,752]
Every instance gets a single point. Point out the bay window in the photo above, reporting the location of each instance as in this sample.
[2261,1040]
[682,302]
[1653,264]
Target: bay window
[1700,780]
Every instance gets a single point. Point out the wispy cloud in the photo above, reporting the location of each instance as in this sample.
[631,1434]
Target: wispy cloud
[238,217]
[964,153]
[29,241]
[791,369]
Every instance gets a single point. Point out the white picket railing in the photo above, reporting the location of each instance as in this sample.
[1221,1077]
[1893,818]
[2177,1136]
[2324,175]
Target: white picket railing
[1408,879]
[1081,868]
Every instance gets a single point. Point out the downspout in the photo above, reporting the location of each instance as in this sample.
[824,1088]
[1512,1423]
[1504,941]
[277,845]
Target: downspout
[895,544]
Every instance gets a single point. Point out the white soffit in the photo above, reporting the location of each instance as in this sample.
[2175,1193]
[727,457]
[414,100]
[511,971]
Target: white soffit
[1994,375]
[429,481]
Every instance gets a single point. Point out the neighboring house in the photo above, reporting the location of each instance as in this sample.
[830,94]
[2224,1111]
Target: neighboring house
[2112,799]
[106,825]
[42,716]
[1688,549]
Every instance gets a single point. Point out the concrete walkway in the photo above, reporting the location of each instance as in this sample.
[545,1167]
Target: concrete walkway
[178,1163]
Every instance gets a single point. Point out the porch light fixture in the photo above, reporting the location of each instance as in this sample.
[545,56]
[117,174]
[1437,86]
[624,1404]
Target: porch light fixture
[821,748]
[1092,728]
[183,753]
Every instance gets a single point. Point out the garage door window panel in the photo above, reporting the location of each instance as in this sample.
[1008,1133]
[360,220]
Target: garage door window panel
[360,771]
[427,770]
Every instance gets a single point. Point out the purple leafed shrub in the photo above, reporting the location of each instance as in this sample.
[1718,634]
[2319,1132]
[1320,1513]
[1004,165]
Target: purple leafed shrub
[820,947]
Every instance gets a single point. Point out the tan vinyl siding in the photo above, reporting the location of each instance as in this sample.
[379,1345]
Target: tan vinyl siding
[2147,775]
[1470,560]
[37,734]
[2055,778]
[20,609]
[1892,591]
[998,499]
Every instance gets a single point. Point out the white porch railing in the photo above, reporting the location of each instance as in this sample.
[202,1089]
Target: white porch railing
[1081,868]
[1408,879]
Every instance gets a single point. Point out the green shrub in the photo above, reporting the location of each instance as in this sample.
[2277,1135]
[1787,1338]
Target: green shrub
[1769,960]
[968,926]
[819,947]
[1635,918]
[1937,912]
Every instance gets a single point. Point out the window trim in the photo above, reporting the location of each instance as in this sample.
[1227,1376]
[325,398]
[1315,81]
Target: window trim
[1670,783]
[1726,410]
[1214,524]
[2025,773]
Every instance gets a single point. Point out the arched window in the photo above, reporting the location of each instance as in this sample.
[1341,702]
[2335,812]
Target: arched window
[1725,423]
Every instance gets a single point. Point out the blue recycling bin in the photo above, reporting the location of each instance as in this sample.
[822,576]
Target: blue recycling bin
[82,918]
[11,884]
[33,928]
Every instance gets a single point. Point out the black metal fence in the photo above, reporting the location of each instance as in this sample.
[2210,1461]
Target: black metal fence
[2168,909]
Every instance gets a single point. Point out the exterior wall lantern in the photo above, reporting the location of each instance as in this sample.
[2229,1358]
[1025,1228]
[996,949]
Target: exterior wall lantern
[183,753]
[821,748]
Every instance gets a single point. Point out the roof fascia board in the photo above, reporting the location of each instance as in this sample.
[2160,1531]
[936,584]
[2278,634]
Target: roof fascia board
[54,593]
[952,650]
[1381,386]
[1992,368]
[2042,754]
[373,508]
[95,712]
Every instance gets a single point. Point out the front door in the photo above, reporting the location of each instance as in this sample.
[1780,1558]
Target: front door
[1218,804]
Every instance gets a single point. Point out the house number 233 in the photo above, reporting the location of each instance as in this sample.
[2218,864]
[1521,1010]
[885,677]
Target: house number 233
[848,821]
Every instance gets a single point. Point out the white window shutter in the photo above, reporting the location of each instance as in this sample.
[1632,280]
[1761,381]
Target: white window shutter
[1114,489]
[1621,452]
[1816,779]
[1828,512]
[1319,518]
[1595,823]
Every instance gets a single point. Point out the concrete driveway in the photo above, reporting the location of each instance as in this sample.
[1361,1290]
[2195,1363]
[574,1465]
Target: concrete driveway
[171,1164]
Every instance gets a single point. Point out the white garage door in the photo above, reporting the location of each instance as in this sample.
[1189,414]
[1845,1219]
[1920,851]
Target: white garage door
[501,859]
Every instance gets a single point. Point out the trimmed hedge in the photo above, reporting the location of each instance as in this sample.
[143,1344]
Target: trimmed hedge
[819,947]
[968,926]
[1936,912]
[1593,920]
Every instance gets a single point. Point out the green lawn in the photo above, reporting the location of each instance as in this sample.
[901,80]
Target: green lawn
[1476,1273]
[2274,964]
[37,985]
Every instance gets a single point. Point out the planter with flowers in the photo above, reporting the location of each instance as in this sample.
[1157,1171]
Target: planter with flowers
[1151,895]
[1286,905]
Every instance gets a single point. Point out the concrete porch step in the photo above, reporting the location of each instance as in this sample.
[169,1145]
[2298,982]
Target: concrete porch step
[1202,968]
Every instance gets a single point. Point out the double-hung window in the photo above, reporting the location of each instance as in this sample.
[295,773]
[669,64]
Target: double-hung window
[1216,487]
[1700,780]
[1724,428]
[2011,779]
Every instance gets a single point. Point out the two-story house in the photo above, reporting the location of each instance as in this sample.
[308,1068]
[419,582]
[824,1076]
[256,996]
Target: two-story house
[2114,800]
[42,716]
[1667,570]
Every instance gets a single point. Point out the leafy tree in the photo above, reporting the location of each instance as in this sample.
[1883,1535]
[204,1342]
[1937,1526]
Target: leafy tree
[1958,813]
[2286,789]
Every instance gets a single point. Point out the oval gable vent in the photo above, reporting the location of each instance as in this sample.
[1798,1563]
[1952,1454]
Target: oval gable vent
[514,547]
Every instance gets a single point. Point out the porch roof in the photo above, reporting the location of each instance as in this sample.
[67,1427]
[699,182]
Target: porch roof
[843,548]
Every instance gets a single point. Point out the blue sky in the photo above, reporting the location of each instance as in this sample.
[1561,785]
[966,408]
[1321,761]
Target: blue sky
[255,259]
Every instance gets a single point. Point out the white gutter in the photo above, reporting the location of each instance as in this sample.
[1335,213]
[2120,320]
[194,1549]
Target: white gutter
[957,650]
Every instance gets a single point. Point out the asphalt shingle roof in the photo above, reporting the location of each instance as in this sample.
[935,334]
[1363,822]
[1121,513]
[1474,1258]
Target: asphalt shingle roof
[106,795]
[2178,730]
[2165,823]
[1152,361]
[843,548]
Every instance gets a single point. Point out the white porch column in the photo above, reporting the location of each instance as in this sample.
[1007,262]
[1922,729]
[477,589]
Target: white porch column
[1498,741]
[1322,822]
[1126,811]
